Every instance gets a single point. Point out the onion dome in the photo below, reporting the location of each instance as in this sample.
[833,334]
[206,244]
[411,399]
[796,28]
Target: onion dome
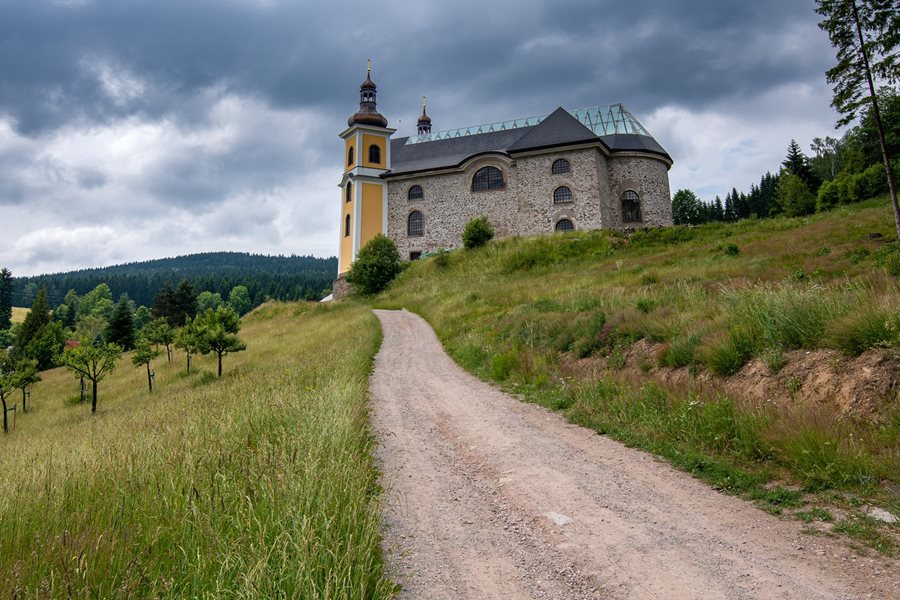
[368,114]
[424,124]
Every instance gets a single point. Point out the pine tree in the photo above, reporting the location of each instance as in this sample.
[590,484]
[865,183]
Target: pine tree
[6,289]
[866,34]
[164,304]
[120,330]
[719,210]
[798,163]
[185,304]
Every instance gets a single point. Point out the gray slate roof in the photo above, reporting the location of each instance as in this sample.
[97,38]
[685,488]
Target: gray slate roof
[559,129]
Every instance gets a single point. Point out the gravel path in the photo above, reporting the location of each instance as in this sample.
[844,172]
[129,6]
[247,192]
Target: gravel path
[488,497]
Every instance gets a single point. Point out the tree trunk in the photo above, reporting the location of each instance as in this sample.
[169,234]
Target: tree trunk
[168,353]
[149,378]
[889,171]
[94,397]
[220,364]
[189,363]
[5,425]
[82,390]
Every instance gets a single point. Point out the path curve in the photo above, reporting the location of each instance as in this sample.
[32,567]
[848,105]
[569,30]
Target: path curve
[488,497]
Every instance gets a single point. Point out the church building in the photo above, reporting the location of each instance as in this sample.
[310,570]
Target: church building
[594,168]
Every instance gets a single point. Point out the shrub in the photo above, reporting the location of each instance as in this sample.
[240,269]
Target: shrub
[477,232]
[376,265]
[828,197]
[794,196]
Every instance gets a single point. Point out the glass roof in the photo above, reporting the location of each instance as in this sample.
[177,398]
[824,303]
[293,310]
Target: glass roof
[611,119]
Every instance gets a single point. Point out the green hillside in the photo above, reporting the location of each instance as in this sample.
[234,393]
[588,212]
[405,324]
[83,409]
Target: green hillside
[273,277]
[258,485]
[654,338]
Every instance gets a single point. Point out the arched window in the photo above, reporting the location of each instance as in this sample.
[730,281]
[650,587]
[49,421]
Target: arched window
[374,154]
[562,195]
[631,207]
[349,193]
[416,193]
[565,225]
[350,156]
[347,226]
[488,178]
[560,165]
[415,224]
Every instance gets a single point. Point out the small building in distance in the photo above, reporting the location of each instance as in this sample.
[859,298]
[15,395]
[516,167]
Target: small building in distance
[593,168]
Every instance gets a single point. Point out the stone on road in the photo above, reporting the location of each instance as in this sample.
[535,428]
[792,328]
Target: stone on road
[489,497]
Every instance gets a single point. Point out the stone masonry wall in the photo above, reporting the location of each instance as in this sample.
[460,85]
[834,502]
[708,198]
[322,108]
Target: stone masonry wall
[526,206]
[650,179]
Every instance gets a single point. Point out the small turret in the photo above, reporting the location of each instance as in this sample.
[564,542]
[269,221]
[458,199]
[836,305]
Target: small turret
[424,125]
[368,113]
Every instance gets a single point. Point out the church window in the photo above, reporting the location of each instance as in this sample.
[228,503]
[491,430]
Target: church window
[350,156]
[416,193]
[631,207]
[349,193]
[415,224]
[347,226]
[565,225]
[560,165]
[488,178]
[562,195]
[374,154]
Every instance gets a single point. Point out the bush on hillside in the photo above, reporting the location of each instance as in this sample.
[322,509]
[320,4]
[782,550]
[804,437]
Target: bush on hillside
[376,265]
[794,196]
[477,232]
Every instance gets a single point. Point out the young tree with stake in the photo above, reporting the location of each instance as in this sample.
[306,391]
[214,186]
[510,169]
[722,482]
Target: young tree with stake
[159,332]
[187,338]
[8,384]
[93,362]
[144,353]
[26,375]
[866,34]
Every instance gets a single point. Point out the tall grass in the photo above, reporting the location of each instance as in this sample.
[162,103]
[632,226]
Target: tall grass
[260,485]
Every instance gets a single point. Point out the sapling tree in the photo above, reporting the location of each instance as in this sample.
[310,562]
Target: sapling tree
[187,338]
[159,332]
[144,353]
[217,332]
[93,362]
[26,375]
[8,384]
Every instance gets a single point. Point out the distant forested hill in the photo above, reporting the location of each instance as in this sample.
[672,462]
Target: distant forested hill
[276,277]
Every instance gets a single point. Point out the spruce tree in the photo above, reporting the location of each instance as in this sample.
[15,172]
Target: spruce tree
[6,289]
[120,330]
[185,304]
[798,163]
[164,304]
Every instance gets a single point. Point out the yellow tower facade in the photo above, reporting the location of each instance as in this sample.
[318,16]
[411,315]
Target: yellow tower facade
[367,155]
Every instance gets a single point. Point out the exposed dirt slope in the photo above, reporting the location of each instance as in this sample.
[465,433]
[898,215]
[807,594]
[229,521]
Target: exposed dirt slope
[488,497]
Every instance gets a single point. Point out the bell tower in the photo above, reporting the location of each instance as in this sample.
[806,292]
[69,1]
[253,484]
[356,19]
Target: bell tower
[367,154]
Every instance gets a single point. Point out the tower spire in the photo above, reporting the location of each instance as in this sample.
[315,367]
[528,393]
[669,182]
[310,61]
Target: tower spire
[368,113]
[424,124]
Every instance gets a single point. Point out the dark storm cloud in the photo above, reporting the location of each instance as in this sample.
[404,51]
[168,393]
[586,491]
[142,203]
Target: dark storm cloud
[308,53]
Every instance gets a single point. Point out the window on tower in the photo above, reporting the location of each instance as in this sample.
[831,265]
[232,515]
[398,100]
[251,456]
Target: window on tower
[349,192]
[347,226]
[374,154]
[631,207]
[350,156]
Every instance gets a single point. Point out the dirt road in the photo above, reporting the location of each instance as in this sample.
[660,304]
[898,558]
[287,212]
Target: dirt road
[488,497]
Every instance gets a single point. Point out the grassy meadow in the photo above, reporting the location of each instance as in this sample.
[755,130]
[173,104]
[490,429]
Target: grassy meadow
[258,485]
[18,314]
[520,312]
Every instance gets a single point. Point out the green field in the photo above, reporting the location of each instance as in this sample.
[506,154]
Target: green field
[554,317]
[18,314]
[258,485]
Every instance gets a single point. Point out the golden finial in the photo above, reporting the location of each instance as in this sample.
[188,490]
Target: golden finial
[369,67]
[423,104]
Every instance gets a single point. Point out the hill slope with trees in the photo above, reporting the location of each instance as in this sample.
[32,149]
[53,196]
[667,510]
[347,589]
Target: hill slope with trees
[273,277]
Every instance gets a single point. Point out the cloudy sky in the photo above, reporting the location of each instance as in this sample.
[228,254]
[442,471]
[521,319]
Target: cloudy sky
[146,128]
